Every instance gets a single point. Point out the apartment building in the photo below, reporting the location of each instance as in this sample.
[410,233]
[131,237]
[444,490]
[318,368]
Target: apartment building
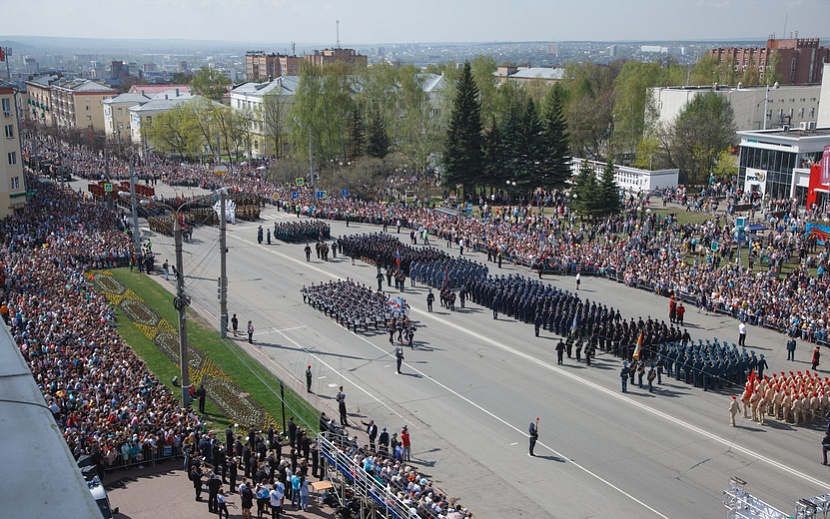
[78,103]
[12,181]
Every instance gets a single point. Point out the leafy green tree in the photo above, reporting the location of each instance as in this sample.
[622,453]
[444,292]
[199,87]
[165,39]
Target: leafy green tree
[555,133]
[699,134]
[591,97]
[772,73]
[608,193]
[175,131]
[210,83]
[483,68]
[274,117]
[632,101]
[378,146]
[421,121]
[464,141]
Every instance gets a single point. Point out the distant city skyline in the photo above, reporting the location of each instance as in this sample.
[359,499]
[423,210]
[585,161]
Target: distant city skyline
[416,21]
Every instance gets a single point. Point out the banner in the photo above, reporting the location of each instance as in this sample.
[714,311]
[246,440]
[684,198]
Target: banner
[821,232]
[230,211]
[825,166]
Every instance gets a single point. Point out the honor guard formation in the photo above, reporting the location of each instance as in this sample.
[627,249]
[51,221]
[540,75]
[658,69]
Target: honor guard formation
[352,305]
[303,230]
[386,250]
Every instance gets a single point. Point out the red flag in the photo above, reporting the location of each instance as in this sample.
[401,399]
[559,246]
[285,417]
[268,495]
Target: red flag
[751,382]
[2,54]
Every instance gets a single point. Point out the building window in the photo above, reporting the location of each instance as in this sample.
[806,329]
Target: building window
[7,105]
[800,113]
[87,108]
[149,118]
[792,71]
[119,111]
[12,158]
[812,112]
[8,130]
[15,183]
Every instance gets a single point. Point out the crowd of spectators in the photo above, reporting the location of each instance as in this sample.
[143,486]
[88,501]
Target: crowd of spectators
[104,400]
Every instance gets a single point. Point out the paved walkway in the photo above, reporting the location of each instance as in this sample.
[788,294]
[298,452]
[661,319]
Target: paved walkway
[165,491]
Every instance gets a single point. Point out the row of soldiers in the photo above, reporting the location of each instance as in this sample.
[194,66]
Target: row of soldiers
[710,365]
[351,304]
[797,398]
[302,230]
[384,249]
[447,272]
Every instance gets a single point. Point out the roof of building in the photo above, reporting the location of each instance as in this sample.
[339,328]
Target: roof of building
[43,81]
[43,459]
[86,86]
[432,82]
[538,73]
[792,132]
[162,104]
[285,85]
[151,90]
[128,98]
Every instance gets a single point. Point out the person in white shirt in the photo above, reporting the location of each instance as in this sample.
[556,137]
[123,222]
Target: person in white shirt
[276,496]
[742,334]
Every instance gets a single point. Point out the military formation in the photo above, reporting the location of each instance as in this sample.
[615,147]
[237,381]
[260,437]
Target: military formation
[795,398]
[164,225]
[303,230]
[350,304]
[385,250]
[711,364]
[447,272]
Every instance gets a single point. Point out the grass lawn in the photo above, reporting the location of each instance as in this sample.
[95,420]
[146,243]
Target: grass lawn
[247,373]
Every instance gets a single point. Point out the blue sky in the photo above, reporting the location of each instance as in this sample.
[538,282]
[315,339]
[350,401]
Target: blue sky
[415,21]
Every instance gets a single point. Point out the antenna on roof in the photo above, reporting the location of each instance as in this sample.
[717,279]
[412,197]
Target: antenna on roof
[338,34]
[293,48]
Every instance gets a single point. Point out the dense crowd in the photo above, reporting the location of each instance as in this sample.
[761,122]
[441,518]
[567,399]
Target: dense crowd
[104,400]
[303,230]
[385,250]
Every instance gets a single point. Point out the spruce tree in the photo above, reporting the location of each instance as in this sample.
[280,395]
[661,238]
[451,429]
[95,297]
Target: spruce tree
[609,196]
[463,150]
[558,159]
[378,146]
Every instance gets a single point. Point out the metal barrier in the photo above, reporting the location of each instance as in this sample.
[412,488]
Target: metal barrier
[376,498]
[741,505]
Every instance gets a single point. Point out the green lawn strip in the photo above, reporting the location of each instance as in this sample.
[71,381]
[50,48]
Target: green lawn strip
[247,373]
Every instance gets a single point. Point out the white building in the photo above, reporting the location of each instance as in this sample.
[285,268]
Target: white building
[144,113]
[251,96]
[117,121]
[784,105]
[823,119]
[632,180]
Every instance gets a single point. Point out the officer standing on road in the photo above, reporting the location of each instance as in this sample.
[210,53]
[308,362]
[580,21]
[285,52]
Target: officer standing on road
[308,379]
[430,300]
[399,357]
[308,253]
[560,351]
[791,349]
[624,377]
[734,408]
[533,432]
[259,235]
[380,280]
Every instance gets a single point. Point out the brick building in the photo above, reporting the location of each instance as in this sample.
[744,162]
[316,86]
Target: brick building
[260,66]
[801,59]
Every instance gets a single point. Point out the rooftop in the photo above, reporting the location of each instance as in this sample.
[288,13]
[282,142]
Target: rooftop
[151,90]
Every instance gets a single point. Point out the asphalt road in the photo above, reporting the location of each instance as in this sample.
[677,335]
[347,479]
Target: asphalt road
[472,385]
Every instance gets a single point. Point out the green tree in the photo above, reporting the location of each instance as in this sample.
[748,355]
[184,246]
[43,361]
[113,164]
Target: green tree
[483,68]
[608,202]
[175,131]
[210,83]
[274,117]
[699,134]
[355,135]
[524,149]
[378,146]
[632,102]
[558,158]
[590,102]
[493,157]
[772,73]
[464,141]
[584,192]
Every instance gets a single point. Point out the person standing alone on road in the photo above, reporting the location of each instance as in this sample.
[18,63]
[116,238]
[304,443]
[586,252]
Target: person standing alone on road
[533,432]
[825,446]
[235,325]
[251,332]
[399,358]
[734,408]
[407,446]
[308,379]
[742,334]
[816,357]
[791,349]
[341,405]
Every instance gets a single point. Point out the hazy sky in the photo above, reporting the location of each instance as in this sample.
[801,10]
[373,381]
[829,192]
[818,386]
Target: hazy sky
[401,21]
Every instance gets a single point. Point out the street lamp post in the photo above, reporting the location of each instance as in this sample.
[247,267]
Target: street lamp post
[134,203]
[310,154]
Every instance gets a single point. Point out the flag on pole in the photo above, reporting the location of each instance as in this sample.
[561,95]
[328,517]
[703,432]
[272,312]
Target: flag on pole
[639,347]
[398,258]
[2,54]
[446,277]
[574,323]
[750,385]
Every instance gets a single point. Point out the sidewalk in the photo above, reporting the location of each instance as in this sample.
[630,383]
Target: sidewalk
[165,491]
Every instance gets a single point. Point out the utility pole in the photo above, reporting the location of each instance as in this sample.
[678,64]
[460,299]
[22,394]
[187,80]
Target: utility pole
[180,302]
[223,269]
[134,204]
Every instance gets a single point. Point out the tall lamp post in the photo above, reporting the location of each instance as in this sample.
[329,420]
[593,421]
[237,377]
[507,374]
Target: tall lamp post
[310,154]
[134,202]
[182,300]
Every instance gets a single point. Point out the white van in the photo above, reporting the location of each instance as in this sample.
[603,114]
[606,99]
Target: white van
[100,496]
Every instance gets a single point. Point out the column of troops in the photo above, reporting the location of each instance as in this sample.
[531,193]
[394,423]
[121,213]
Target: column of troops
[350,304]
[447,272]
[303,230]
[385,250]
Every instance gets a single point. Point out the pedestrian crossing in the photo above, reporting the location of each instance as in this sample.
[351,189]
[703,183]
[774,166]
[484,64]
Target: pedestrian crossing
[277,216]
